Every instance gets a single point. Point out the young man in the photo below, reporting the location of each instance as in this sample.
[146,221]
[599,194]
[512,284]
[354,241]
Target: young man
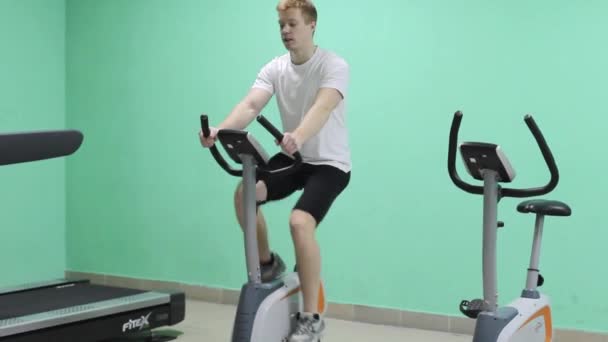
[310,84]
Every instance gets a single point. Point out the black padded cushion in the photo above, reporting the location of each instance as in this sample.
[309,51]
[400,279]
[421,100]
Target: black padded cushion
[544,207]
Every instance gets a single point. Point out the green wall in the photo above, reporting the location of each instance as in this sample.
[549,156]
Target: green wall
[32,97]
[144,200]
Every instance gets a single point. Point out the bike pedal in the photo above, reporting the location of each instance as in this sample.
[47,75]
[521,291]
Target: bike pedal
[472,308]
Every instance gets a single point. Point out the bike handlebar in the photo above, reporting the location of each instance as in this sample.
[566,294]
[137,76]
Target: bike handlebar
[239,172]
[505,192]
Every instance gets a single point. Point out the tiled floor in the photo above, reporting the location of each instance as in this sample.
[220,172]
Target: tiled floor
[212,322]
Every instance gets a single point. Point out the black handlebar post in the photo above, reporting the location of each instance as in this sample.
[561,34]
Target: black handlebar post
[270,128]
[473,189]
[549,160]
[205,125]
[505,192]
[279,136]
[215,152]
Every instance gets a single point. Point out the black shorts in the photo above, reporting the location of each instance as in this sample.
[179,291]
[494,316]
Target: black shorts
[321,184]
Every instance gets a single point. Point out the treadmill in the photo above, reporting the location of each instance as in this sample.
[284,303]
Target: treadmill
[77,310]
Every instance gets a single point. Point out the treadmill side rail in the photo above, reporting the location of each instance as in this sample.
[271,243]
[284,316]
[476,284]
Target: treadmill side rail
[17,325]
[40,285]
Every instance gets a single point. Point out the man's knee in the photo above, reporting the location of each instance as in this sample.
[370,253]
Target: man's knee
[261,193]
[301,223]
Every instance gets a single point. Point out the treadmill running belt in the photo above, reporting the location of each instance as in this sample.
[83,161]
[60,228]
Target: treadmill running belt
[41,300]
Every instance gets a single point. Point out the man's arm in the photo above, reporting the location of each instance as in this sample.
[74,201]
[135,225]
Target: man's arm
[246,110]
[326,101]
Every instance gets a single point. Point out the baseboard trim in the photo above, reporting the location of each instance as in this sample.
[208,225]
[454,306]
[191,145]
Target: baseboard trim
[349,312]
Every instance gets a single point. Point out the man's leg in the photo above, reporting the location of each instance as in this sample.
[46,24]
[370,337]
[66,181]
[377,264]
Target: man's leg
[308,257]
[262,232]
[320,191]
[283,187]
[267,189]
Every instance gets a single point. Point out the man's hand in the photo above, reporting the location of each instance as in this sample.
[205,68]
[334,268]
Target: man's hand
[210,140]
[291,143]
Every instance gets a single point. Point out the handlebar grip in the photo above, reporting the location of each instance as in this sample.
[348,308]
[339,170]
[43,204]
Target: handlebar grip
[270,128]
[215,151]
[544,148]
[531,124]
[452,151]
[453,142]
[549,160]
[205,125]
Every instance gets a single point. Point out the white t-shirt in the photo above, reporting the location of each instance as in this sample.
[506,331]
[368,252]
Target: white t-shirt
[296,87]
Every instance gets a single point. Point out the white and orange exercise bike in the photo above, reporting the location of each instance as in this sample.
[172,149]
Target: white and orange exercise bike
[528,317]
[266,312]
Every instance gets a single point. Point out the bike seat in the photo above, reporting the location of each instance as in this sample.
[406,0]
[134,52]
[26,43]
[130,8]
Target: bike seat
[544,207]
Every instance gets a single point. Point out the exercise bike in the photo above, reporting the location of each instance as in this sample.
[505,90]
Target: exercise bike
[527,318]
[266,312]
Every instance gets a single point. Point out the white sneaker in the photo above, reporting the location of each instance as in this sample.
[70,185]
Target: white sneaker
[309,328]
